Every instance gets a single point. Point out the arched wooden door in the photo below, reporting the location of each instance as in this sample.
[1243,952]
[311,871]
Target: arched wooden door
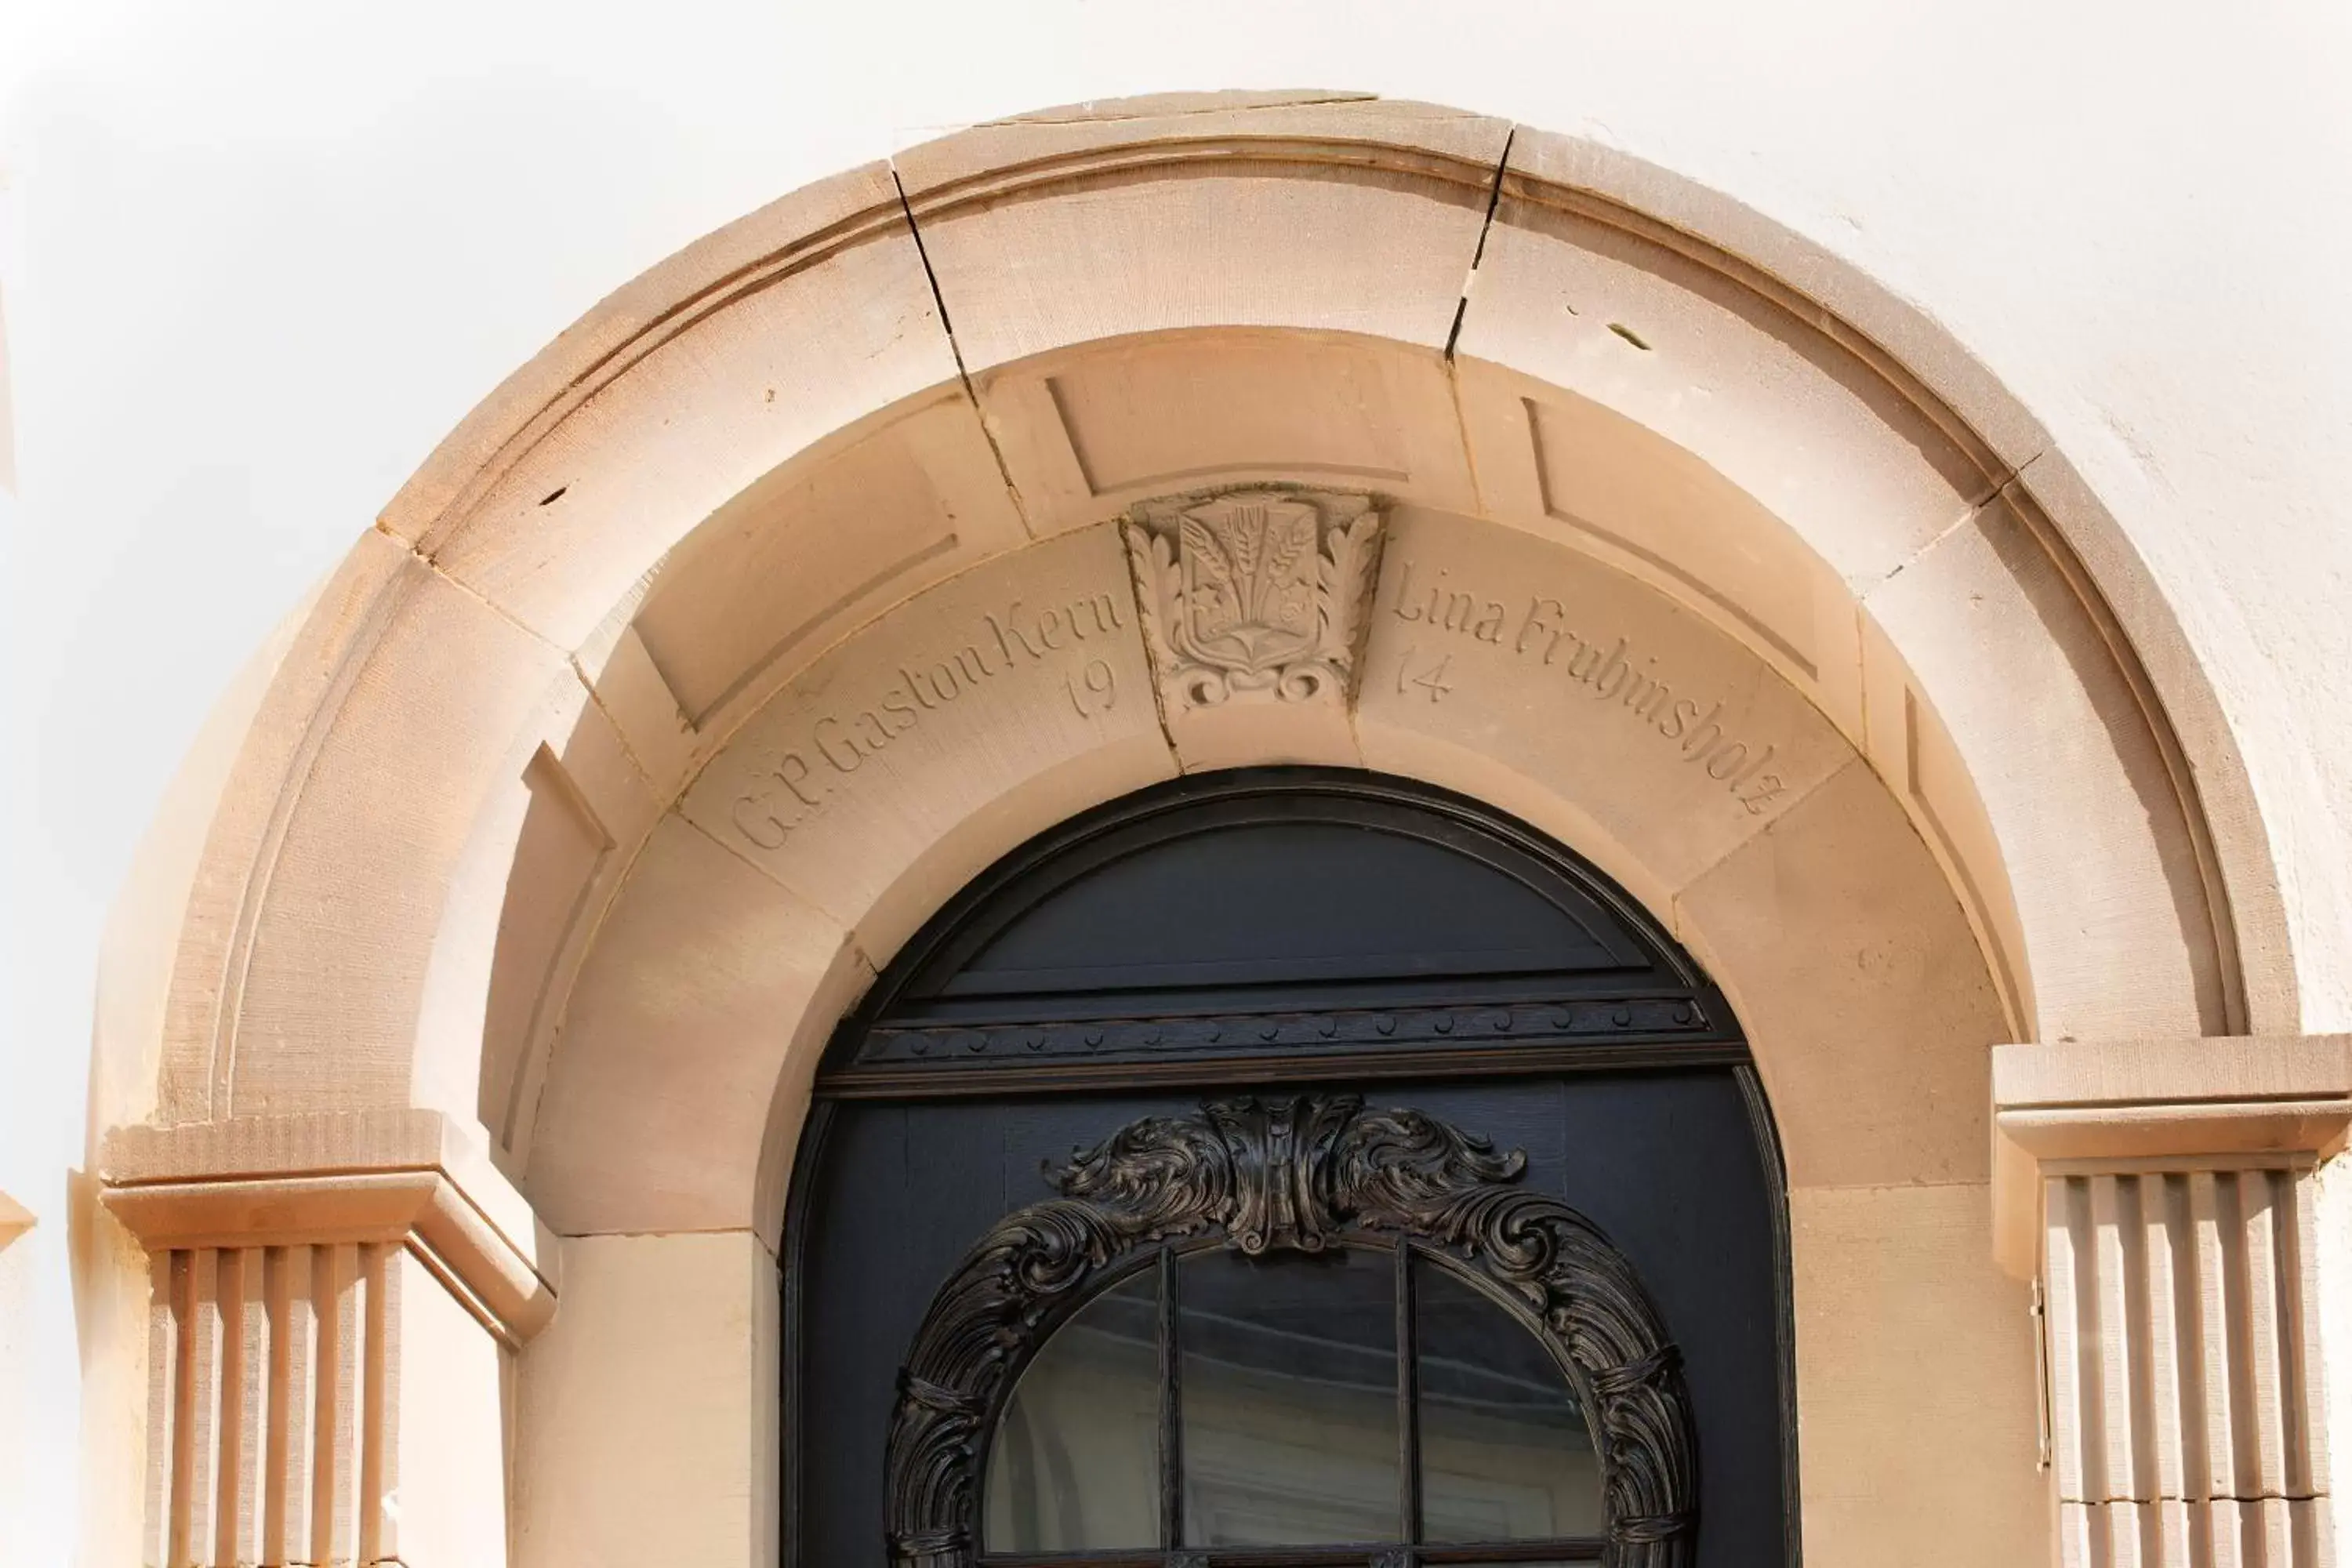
[1288,1167]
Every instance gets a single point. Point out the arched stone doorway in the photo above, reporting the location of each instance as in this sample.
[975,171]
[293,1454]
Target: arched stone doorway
[824,565]
[1260,1030]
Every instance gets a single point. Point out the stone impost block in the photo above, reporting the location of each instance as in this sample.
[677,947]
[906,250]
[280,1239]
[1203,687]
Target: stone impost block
[410,1179]
[2237,1102]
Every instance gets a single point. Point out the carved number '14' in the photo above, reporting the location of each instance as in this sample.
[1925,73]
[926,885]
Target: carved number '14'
[1429,679]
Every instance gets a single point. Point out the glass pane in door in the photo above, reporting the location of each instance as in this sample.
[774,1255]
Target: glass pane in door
[1288,1387]
[1504,1451]
[1076,1463]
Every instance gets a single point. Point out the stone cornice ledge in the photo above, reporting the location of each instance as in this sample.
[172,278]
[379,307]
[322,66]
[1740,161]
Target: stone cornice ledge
[414,1177]
[2233,1102]
[2233,1099]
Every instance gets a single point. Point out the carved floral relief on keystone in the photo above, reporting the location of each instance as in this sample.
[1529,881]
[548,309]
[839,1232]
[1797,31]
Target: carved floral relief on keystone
[1254,595]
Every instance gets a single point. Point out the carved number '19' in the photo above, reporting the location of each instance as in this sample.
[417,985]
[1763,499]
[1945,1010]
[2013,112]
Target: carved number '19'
[1095,688]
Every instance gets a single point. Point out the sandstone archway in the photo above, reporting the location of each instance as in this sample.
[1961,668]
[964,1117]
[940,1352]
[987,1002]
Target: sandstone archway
[544,853]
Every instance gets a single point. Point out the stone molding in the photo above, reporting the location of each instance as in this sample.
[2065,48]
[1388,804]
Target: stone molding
[2239,1101]
[407,1178]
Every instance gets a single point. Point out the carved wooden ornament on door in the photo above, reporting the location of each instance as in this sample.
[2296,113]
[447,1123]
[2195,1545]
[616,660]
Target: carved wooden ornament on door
[1302,1174]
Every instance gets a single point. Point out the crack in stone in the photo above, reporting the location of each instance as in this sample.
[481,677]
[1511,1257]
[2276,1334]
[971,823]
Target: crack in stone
[947,326]
[1479,252]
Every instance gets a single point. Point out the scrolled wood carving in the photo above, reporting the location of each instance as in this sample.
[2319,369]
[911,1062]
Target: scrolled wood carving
[1276,1173]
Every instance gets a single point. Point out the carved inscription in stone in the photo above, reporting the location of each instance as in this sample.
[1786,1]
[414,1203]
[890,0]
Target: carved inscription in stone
[1256,595]
[1063,637]
[949,701]
[1622,678]
[1015,684]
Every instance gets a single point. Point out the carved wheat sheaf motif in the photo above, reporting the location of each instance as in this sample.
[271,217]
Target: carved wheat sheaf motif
[1276,1174]
[1256,594]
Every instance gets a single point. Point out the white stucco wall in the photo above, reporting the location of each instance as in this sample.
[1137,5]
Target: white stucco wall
[255,259]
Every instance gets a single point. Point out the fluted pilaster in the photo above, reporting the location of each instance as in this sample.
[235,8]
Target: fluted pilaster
[324,1340]
[267,1428]
[2182,1325]
[2180,1276]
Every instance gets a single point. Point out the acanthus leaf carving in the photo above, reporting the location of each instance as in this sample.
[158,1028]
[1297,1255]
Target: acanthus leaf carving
[1290,1172]
[1253,595]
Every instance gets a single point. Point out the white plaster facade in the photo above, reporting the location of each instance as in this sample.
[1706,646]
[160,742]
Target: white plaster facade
[473,830]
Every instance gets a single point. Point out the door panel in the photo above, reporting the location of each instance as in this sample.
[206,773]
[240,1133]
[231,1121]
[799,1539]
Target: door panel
[1666,1164]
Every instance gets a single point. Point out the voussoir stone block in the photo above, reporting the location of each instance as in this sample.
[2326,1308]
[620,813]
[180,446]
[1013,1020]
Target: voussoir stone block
[919,749]
[1284,215]
[688,411]
[707,985]
[1090,430]
[810,551]
[430,733]
[2088,823]
[1565,468]
[1493,651]
[1761,395]
[1864,994]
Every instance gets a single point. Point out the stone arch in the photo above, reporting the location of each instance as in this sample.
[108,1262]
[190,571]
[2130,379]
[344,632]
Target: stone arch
[471,848]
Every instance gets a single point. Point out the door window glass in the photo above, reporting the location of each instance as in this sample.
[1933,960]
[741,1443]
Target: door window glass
[1076,1464]
[1276,1416]
[1504,1451]
[1288,1392]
